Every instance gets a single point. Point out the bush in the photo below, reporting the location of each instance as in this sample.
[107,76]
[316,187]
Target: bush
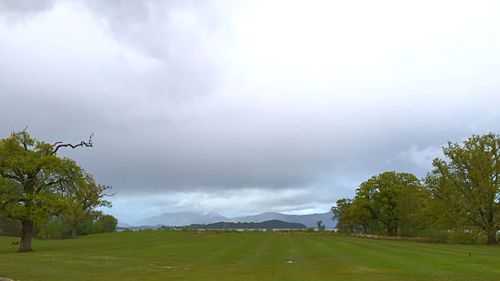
[466,237]
[437,235]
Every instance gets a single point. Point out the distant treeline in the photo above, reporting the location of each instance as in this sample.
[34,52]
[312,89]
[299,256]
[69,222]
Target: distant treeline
[57,228]
[271,224]
[458,201]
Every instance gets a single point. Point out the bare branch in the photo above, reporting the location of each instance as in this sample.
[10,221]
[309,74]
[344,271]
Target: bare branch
[60,144]
[103,194]
[23,141]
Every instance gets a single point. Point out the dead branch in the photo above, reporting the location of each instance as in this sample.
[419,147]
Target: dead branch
[60,144]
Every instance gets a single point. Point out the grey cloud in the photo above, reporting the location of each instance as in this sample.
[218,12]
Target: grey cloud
[178,33]
[201,101]
[25,6]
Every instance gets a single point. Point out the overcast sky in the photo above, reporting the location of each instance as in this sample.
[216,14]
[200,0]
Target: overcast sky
[240,107]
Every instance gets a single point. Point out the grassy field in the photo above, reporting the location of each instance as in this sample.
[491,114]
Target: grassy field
[245,256]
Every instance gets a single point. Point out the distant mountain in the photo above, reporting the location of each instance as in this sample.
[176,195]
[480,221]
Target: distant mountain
[271,224]
[308,220]
[123,224]
[182,219]
[188,218]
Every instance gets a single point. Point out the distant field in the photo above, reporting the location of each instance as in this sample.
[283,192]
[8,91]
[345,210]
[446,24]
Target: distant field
[245,256]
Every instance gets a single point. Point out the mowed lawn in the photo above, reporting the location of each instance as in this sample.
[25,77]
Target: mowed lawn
[165,255]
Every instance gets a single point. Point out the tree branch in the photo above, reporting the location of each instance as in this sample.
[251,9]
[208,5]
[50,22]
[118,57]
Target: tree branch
[60,144]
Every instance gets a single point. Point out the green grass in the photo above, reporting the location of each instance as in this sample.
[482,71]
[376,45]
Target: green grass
[156,255]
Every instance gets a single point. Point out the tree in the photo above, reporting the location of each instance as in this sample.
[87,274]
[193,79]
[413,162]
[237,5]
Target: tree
[321,225]
[32,180]
[381,196]
[467,186]
[82,196]
[106,223]
[412,208]
[351,217]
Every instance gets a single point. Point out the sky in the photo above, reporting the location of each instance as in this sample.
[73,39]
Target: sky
[242,107]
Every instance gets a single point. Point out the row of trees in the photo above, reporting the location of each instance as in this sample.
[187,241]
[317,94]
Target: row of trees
[58,228]
[461,195]
[37,186]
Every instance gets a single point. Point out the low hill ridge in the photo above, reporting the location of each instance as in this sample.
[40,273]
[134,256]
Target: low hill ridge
[189,218]
[270,224]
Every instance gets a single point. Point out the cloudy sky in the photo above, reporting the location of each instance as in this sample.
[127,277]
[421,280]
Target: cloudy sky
[240,107]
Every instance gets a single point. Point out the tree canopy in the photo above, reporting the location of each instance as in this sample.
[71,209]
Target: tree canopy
[461,196]
[36,184]
[467,185]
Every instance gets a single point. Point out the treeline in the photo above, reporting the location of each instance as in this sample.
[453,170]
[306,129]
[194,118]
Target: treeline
[47,195]
[458,201]
[270,224]
[57,228]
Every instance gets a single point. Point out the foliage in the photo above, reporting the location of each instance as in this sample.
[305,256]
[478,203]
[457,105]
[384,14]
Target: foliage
[466,188]
[82,196]
[390,201]
[459,201]
[36,184]
[268,225]
[351,216]
[31,178]
[57,228]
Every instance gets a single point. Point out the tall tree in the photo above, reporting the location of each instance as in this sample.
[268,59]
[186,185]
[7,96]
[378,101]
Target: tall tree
[468,184]
[32,178]
[82,195]
[381,196]
[351,216]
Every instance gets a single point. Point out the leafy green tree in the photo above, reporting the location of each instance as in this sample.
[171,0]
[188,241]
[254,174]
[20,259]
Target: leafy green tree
[99,223]
[106,223]
[32,180]
[466,188]
[412,208]
[82,196]
[381,196]
[351,217]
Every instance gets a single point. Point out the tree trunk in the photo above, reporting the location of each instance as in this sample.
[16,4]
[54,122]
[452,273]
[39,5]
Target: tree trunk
[26,236]
[74,232]
[492,237]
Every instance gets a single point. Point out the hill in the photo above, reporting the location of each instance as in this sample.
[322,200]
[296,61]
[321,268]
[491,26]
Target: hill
[271,224]
[188,218]
[181,219]
[308,220]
